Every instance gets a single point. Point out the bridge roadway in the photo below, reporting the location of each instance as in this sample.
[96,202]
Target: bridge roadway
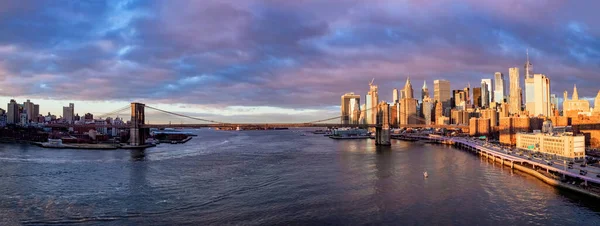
[250,125]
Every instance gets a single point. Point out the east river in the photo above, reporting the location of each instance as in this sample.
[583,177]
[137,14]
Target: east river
[276,177]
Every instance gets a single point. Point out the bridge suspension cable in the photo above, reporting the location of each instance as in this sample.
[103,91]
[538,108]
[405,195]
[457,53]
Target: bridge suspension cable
[185,116]
[114,112]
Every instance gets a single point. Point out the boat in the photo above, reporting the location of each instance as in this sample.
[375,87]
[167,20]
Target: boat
[302,134]
[425,174]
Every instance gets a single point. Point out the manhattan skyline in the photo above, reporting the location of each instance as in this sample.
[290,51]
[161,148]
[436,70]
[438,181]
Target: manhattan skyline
[280,60]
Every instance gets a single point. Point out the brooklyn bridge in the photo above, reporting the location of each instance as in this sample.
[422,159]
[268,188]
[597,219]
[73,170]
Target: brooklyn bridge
[139,128]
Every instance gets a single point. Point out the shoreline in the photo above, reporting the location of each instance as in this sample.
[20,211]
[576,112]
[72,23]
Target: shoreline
[550,181]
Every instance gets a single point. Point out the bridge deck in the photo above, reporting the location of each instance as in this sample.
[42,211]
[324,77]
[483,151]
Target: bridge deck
[256,125]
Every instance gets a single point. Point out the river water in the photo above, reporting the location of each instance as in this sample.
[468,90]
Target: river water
[276,177]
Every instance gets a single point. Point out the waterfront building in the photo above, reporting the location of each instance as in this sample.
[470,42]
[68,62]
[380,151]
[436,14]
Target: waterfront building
[515,95]
[441,94]
[477,97]
[485,94]
[489,83]
[510,126]
[566,145]
[499,89]
[571,107]
[350,103]
[12,113]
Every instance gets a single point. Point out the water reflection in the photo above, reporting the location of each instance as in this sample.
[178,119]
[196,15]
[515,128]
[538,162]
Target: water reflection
[138,155]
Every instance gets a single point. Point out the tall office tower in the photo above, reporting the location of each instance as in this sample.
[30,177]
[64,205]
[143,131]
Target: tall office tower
[499,87]
[12,113]
[441,94]
[395,96]
[424,91]
[372,101]
[408,90]
[408,106]
[68,113]
[427,109]
[477,97]
[490,88]
[541,103]
[350,102]
[408,111]
[515,91]
[530,94]
[528,67]
[485,94]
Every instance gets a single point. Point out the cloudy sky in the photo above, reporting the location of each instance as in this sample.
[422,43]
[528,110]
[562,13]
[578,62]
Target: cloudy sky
[281,60]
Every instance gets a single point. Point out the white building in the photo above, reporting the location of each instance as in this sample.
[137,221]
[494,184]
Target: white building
[499,89]
[565,145]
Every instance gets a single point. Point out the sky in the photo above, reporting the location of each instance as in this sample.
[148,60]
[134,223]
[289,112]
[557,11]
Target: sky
[281,61]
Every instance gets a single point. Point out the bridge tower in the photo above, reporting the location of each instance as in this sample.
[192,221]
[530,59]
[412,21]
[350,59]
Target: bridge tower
[137,134]
[382,130]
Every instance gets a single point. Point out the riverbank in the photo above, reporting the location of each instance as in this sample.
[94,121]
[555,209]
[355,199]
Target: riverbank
[548,180]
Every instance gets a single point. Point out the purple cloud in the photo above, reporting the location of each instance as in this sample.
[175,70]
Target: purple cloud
[294,54]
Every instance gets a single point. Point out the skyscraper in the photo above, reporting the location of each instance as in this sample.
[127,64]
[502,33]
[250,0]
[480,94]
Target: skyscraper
[408,105]
[528,67]
[427,109]
[477,97]
[350,102]
[395,96]
[515,91]
[485,93]
[541,103]
[441,94]
[372,101]
[499,87]
[12,113]
[408,90]
[424,91]
[490,91]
